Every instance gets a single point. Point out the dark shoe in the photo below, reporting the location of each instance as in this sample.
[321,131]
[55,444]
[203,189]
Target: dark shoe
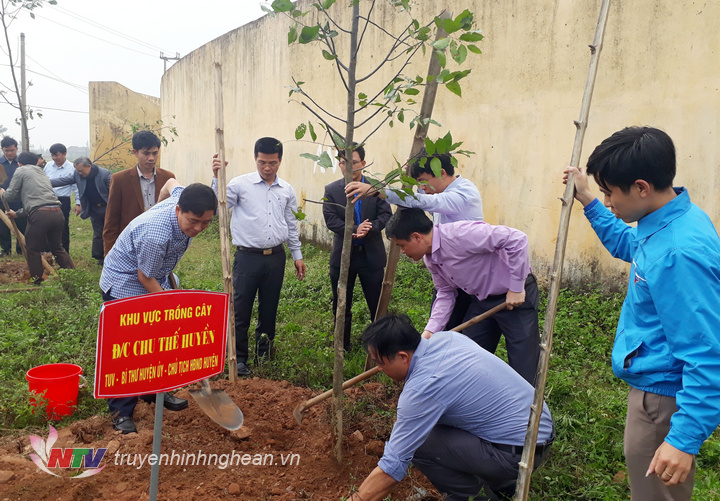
[169,402]
[101,262]
[5,253]
[243,369]
[124,424]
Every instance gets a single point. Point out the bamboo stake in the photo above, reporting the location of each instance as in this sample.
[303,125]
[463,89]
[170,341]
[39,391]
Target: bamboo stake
[10,223]
[426,109]
[528,456]
[224,235]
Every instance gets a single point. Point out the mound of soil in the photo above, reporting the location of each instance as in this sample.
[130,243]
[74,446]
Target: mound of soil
[283,460]
[12,272]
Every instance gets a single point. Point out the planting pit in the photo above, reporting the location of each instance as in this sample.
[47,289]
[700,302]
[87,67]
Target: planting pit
[270,435]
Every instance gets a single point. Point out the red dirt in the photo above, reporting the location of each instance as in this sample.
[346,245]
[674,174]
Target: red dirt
[267,406]
[12,272]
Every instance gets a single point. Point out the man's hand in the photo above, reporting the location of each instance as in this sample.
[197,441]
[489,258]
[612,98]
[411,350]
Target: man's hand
[300,269]
[363,229]
[427,334]
[77,210]
[167,188]
[582,186]
[11,214]
[514,299]
[671,465]
[216,164]
[2,190]
[356,189]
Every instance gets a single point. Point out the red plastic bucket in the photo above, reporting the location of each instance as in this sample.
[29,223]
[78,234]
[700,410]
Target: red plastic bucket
[60,383]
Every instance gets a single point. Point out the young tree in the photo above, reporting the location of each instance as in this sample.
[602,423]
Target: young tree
[9,11]
[370,109]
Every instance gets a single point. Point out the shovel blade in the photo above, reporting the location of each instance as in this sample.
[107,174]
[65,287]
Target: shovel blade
[220,408]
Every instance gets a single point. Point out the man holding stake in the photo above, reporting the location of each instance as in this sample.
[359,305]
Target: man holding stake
[461,417]
[667,345]
[143,258]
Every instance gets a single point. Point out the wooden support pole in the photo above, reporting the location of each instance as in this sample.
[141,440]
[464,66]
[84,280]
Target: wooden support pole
[225,244]
[528,456]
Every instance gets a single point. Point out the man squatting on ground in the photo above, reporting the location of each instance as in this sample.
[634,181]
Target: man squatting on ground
[9,164]
[60,167]
[490,263]
[262,206]
[93,186]
[367,257]
[44,216]
[449,198]
[667,345]
[144,256]
[461,417]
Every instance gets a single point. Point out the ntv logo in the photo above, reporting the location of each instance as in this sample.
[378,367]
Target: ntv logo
[54,457]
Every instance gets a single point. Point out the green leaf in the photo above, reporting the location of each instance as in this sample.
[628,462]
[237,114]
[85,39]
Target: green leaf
[327,4]
[465,19]
[451,25]
[460,55]
[454,87]
[324,160]
[310,156]
[292,34]
[312,131]
[429,146]
[472,36]
[300,131]
[328,56]
[362,95]
[299,215]
[412,91]
[401,116]
[282,5]
[409,180]
[339,142]
[309,34]
[474,49]
[441,58]
[436,166]
[441,44]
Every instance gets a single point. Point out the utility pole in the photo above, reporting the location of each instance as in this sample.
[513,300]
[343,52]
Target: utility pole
[23,87]
[168,58]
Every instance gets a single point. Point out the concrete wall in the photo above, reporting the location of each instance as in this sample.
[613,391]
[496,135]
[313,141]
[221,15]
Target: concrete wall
[517,111]
[113,110]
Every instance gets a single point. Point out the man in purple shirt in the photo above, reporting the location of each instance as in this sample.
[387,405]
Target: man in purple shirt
[492,265]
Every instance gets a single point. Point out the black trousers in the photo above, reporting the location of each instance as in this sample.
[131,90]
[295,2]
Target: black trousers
[44,228]
[261,275]
[6,235]
[97,218]
[65,207]
[519,325]
[371,278]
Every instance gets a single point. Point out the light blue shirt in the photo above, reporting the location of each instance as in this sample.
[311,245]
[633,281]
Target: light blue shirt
[460,201]
[453,382]
[152,243]
[53,172]
[262,214]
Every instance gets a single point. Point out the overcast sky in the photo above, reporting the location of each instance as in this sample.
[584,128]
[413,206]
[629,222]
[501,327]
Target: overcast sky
[78,41]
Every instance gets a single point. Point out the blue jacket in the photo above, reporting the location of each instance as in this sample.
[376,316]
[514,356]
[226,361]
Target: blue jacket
[102,183]
[668,336]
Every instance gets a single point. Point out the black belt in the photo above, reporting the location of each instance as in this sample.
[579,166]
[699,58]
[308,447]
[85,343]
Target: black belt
[495,297]
[518,449]
[264,252]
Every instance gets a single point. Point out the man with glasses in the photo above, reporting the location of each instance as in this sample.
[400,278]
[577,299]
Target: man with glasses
[367,257]
[262,206]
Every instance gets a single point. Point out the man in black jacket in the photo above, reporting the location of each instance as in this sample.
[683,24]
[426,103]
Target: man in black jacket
[368,257]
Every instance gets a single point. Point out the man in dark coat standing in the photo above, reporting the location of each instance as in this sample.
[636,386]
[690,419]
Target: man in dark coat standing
[368,257]
[93,183]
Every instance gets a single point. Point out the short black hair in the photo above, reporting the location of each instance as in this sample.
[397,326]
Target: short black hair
[268,145]
[405,222]
[58,148]
[420,163]
[389,335]
[355,147]
[7,141]
[145,139]
[27,158]
[198,198]
[634,153]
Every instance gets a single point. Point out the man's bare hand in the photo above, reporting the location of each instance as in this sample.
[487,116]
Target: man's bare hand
[427,334]
[363,229]
[167,188]
[514,299]
[356,189]
[300,269]
[671,465]
[11,214]
[77,210]
[216,164]
[582,186]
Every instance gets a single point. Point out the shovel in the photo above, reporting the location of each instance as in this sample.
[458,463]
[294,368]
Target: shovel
[215,403]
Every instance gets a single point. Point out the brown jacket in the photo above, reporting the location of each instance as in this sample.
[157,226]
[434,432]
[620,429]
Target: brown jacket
[125,201]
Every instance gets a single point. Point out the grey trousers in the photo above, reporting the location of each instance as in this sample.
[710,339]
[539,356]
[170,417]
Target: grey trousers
[646,426]
[463,466]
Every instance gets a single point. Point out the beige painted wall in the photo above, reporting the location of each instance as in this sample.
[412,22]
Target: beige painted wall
[113,110]
[658,68]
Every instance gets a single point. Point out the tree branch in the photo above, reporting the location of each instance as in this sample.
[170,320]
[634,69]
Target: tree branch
[302,92]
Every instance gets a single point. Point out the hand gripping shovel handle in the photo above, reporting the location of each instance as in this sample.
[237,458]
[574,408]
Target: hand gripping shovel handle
[300,409]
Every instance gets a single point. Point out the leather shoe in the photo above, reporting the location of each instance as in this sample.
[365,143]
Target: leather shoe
[170,402]
[124,424]
[243,369]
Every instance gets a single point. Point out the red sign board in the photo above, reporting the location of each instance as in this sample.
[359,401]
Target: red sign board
[159,342]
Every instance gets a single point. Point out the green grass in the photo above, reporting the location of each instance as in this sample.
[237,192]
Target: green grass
[58,323]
